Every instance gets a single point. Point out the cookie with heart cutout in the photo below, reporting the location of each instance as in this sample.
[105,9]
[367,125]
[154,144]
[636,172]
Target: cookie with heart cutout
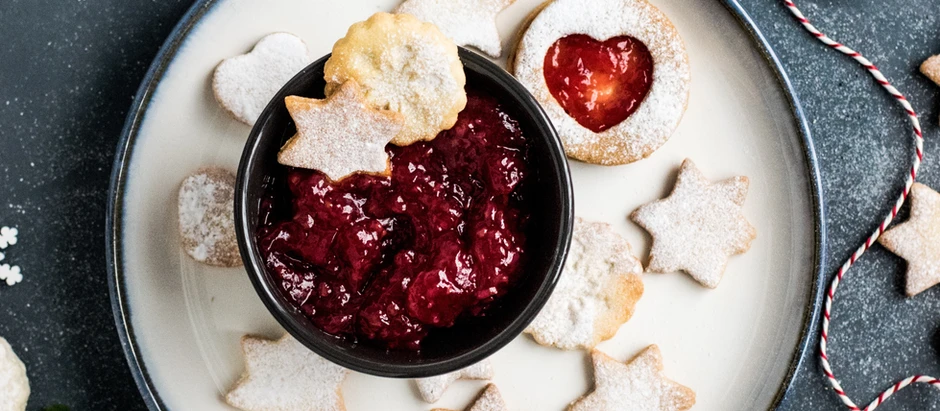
[613,75]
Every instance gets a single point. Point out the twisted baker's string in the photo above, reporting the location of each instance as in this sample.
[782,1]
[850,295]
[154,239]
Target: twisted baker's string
[830,296]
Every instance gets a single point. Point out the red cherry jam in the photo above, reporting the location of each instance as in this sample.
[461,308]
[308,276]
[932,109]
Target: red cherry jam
[599,84]
[388,259]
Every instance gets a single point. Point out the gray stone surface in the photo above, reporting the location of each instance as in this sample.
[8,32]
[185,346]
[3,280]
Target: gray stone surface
[68,71]
[865,146]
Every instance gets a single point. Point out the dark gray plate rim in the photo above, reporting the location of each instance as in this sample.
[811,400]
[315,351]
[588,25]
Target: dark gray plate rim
[138,109]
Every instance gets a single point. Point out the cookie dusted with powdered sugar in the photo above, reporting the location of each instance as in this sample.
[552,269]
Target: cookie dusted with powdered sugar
[918,240]
[403,65]
[340,135]
[14,385]
[284,375]
[698,227]
[207,217]
[467,22]
[243,85]
[597,291]
[489,400]
[433,388]
[613,76]
[638,385]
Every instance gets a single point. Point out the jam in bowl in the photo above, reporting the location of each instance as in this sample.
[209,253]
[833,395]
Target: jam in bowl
[424,271]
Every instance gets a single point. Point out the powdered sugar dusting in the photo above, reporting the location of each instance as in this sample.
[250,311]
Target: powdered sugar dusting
[467,22]
[245,84]
[659,114]
[698,226]
[638,385]
[285,375]
[340,135]
[14,385]
[490,400]
[403,65]
[433,388]
[918,240]
[207,217]
[598,260]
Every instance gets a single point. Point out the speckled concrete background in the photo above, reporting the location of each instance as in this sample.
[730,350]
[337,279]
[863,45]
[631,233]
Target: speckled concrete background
[68,72]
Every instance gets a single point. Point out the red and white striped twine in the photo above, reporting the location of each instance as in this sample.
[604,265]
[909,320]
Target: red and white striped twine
[830,296]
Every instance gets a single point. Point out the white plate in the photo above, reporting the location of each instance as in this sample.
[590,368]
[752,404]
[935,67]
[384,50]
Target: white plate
[735,346]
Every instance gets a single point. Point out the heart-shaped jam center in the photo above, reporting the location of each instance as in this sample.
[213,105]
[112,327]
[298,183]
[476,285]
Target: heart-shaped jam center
[599,83]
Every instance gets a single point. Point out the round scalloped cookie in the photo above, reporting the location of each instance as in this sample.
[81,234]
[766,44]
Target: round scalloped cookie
[598,290]
[14,385]
[658,114]
[403,65]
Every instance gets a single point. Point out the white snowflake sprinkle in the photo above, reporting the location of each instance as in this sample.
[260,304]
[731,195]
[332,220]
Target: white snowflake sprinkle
[11,275]
[7,237]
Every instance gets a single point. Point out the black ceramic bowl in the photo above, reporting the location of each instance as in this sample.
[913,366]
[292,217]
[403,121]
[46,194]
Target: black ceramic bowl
[469,340]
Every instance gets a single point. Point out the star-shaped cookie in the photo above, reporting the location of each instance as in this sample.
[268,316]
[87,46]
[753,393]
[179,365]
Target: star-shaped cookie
[433,388]
[489,400]
[466,22]
[284,375]
[918,240]
[698,226]
[340,135]
[931,69]
[637,385]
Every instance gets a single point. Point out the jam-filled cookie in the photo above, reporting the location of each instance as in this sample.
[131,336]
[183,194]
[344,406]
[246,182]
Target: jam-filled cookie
[613,76]
[403,65]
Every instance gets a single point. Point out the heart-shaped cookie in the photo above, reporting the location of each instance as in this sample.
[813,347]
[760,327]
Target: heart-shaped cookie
[599,83]
[243,85]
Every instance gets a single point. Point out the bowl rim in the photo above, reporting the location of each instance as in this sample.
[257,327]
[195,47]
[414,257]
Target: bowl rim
[559,176]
